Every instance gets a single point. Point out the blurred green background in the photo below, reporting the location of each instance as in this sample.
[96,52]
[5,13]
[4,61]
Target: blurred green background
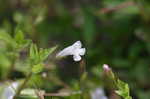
[116,32]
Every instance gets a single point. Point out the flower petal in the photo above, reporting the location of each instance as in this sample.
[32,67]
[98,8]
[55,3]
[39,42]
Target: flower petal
[76,57]
[81,51]
[77,44]
[65,52]
[74,50]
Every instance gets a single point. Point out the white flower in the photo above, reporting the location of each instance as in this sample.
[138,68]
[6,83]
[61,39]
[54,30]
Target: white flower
[98,93]
[74,50]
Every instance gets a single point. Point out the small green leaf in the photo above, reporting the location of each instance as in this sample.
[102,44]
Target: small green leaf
[33,51]
[38,68]
[34,54]
[19,37]
[44,53]
[20,40]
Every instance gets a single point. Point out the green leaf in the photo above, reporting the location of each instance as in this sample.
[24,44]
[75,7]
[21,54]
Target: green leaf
[20,40]
[38,68]
[123,89]
[19,37]
[44,53]
[39,56]
[34,54]
[33,51]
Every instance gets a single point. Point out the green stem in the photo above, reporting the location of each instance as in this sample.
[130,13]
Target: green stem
[23,85]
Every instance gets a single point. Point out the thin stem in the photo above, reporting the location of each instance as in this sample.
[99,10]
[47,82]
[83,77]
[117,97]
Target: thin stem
[83,75]
[23,85]
[82,67]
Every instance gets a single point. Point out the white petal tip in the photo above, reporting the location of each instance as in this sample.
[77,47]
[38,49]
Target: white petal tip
[76,58]
[83,51]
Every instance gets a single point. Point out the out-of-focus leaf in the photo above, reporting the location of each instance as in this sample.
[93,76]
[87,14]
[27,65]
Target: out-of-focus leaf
[143,94]
[135,50]
[18,17]
[39,56]
[7,38]
[19,37]
[83,77]
[5,64]
[88,26]
[121,63]
[20,40]
[130,10]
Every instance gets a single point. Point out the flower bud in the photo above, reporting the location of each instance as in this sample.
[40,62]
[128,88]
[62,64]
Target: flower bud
[106,68]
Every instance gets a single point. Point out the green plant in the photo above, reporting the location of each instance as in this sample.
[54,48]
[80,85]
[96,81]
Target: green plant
[122,87]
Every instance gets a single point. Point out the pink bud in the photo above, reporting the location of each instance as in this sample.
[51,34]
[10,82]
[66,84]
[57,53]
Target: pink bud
[106,68]
[108,71]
